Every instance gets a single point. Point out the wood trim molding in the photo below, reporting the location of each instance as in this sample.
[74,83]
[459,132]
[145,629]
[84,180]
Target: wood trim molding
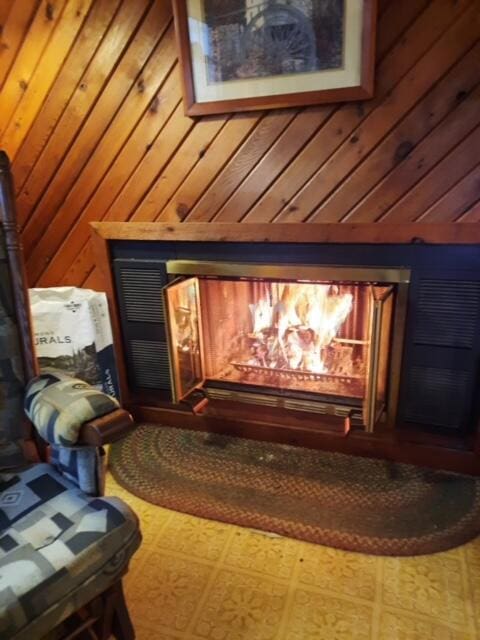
[102,260]
[335,233]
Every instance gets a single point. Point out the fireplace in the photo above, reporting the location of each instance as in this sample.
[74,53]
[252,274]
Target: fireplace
[298,337]
[255,330]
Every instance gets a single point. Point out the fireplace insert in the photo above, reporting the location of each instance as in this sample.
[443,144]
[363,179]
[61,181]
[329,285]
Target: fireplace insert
[299,337]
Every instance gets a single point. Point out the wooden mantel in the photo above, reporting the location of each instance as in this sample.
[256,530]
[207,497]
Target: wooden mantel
[415,233]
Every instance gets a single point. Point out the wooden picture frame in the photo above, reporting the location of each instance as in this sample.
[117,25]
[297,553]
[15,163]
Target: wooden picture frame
[214,84]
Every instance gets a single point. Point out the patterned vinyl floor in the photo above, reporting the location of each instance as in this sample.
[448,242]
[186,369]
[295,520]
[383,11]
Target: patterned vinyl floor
[194,579]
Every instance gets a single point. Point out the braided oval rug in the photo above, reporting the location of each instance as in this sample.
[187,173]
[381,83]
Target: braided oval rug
[357,504]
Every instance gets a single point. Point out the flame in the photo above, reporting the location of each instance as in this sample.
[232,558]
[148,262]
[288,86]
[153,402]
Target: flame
[294,331]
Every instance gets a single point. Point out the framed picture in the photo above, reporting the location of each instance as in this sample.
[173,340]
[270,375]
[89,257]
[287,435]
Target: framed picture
[239,55]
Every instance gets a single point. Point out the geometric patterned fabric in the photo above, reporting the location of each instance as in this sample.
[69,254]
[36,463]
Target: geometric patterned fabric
[84,466]
[58,405]
[11,371]
[58,549]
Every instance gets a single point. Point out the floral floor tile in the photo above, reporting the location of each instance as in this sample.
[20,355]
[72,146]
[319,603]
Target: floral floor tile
[241,607]
[315,616]
[194,579]
[430,585]
[396,625]
[253,551]
[183,535]
[338,571]
[167,592]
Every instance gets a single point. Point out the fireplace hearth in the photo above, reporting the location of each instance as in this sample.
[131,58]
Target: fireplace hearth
[255,330]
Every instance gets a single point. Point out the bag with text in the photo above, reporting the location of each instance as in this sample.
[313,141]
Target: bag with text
[72,332]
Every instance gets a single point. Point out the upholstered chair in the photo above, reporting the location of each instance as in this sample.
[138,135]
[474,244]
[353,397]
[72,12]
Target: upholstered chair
[63,547]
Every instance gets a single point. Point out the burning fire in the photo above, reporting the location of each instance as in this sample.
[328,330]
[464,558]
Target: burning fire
[292,329]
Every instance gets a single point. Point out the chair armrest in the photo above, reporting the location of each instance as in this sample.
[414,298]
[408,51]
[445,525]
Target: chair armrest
[68,412]
[107,429]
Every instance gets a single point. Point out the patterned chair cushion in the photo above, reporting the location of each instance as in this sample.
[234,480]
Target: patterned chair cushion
[84,466]
[58,549]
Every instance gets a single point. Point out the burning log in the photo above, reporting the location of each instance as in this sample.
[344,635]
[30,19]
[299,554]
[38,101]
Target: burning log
[294,332]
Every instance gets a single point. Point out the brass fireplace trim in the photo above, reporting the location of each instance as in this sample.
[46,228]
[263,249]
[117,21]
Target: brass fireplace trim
[371,411]
[400,277]
[298,272]
[319,407]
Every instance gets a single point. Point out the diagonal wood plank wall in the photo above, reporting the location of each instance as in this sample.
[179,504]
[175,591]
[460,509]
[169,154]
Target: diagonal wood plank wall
[91,115]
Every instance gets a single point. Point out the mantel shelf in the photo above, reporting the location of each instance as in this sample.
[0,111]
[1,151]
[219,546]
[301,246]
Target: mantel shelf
[338,233]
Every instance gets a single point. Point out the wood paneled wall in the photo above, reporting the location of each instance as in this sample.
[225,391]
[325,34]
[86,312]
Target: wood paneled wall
[91,116]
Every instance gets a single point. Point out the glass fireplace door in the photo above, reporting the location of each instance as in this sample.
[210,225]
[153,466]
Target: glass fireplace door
[181,300]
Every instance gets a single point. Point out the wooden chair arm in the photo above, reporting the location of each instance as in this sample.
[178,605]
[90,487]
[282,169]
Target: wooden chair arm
[107,429]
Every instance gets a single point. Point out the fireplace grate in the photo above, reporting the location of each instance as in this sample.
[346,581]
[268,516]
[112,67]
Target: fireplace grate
[298,374]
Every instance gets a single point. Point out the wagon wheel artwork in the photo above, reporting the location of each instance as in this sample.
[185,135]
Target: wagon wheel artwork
[280,39]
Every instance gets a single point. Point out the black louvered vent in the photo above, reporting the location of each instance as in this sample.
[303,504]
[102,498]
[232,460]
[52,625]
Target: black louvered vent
[150,364]
[142,294]
[436,396]
[447,313]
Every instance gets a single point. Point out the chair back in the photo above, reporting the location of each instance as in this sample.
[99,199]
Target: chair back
[17,360]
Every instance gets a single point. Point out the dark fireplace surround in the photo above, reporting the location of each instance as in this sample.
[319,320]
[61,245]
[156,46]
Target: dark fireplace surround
[288,333]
